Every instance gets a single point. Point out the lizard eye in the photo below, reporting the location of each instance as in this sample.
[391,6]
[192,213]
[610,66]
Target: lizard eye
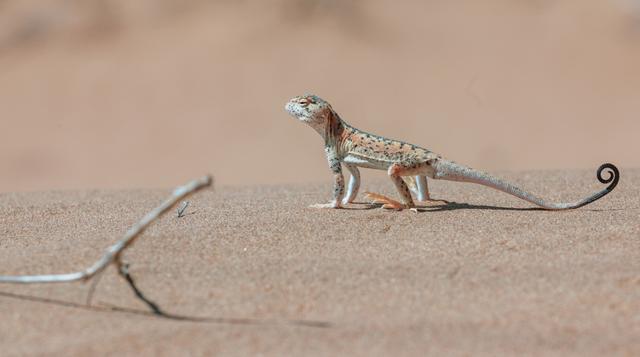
[304,102]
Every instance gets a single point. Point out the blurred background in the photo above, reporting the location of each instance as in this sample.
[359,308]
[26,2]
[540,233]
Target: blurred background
[150,93]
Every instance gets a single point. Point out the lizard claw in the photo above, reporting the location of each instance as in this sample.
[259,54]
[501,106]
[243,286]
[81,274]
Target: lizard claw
[326,205]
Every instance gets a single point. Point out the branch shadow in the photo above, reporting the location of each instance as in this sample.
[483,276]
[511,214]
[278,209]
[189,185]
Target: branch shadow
[167,316]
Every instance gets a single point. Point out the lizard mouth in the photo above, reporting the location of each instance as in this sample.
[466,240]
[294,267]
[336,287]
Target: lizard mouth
[296,111]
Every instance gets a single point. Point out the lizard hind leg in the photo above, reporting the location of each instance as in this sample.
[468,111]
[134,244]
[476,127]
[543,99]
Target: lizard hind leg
[399,173]
[403,190]
[396,173]
[422,192]
[412,183]
[386,202]
[422,189]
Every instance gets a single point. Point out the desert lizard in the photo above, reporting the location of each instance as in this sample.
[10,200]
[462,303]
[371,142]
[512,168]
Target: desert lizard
[353,148]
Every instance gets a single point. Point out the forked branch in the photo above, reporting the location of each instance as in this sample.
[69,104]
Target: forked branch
[113,253]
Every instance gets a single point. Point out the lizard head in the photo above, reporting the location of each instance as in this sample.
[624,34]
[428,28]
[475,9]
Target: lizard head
[310,109]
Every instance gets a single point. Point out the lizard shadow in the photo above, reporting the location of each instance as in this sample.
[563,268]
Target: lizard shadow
[174,317]
[453,206]
[446,206]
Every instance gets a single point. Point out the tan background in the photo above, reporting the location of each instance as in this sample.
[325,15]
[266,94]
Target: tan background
[114,94]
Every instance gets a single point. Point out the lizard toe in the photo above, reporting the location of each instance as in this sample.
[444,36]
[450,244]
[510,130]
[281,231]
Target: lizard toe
[326,205]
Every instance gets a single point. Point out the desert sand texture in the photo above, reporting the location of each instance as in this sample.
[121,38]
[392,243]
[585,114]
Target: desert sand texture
[484,275]
[120,94]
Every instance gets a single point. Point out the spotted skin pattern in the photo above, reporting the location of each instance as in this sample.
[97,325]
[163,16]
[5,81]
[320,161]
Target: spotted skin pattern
[404,162]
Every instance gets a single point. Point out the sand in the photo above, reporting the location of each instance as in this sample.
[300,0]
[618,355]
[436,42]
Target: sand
[483,276]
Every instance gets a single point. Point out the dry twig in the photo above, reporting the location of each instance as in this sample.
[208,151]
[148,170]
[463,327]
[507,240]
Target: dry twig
[182,208]
[114,252]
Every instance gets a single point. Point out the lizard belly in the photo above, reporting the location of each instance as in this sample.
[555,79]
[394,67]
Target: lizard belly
[367,162]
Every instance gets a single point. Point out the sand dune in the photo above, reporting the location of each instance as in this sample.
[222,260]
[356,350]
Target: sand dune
[481,277]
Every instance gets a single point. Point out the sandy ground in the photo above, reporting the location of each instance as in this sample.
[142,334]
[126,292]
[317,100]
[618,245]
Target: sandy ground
[483,276]
[145,94]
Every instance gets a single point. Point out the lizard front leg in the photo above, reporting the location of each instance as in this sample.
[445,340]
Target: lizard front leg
[338,180]
[354,184]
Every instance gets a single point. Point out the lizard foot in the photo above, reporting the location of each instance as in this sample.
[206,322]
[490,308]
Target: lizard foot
[347,201]
[326,205]
[386,202]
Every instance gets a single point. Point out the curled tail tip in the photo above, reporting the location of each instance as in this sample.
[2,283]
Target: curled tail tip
[613,177]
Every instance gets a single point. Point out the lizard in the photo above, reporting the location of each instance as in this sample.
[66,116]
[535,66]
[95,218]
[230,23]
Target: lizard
[354,148]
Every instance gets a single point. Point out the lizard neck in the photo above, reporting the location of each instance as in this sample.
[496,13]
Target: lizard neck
[332,129]
[320,128]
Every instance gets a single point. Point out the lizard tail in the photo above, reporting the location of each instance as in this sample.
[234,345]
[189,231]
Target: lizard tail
[448,170]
